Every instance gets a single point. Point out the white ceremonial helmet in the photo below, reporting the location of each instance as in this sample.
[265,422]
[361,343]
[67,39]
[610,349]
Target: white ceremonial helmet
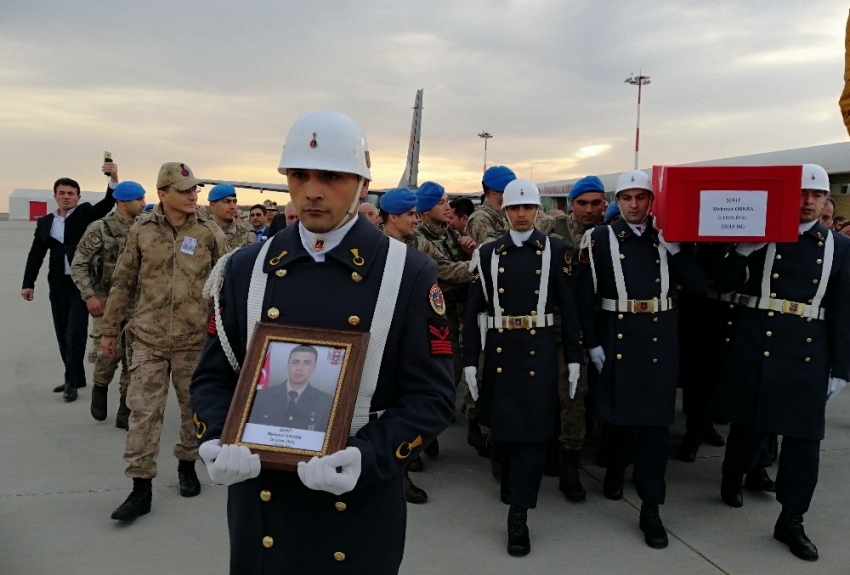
[814,178]
[633,180]
[521,192]
[326,140]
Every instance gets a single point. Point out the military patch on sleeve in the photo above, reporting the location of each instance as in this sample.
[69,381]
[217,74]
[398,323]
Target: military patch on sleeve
[438,338]
[437,299]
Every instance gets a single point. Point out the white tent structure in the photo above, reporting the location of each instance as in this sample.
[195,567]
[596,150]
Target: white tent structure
[29,204]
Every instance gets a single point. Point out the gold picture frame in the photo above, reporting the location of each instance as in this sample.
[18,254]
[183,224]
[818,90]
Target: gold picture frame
[296,393]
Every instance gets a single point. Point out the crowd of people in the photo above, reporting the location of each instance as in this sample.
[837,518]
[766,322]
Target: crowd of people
[550,327]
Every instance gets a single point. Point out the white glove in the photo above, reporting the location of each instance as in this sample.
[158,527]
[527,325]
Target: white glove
[320,473]
[469,374]
[747,248]
[597,356]
[672,247]
[836,384]
[573,370]
[229,464]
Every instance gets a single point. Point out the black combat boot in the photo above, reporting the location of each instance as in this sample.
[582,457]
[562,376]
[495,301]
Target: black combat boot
[413,494]
[730,491]
[789,530]
[122,419]
[433,448]
[519,543]
[570,483]
[188,479]
[653,530]
[416,465]
[476,439]
[98,402]
[138,503]
[688,448]
[612,486]
[759,480]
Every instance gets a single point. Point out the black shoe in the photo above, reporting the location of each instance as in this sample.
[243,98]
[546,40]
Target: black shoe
[711,437]
[98,402]
[759,480]
[70,394]
[730,492]
[476,439]
[612,487]
[688,449]
[789,530]
[413,494]
[138,503]
[570,483]
[519,543]
[188,479]
[415,465]
[433,448]
[122,419]
[59,388]
[653,530]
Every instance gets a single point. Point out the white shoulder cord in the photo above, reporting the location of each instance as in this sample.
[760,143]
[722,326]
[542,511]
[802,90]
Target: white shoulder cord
[587,244]
[494,273]
[828,254]
[619,279]
[212,289]
[381,321]
[544,285]
[768,270]
[256,294]
[665,272]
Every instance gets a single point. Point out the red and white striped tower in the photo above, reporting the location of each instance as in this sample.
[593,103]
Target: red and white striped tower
[640,80]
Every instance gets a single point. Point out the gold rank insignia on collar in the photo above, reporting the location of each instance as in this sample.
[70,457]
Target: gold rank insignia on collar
[820,235]
[538,243]
[622,233]
[276,260]
[357,259]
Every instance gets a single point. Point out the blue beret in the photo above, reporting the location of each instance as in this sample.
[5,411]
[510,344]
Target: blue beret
[497,177]
[220,192]
[128,191]
[397,201]
[612,211]
[585,185]
[428,195]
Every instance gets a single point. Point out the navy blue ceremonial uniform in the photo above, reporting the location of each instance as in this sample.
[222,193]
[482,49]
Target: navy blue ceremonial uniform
[519,391]
[311,411]
[277,525]
[637,386]
[776,377]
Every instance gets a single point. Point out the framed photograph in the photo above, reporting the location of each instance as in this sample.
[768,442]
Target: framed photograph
[296,393]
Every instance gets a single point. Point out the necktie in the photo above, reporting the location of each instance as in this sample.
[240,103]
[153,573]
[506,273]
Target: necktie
[293,397]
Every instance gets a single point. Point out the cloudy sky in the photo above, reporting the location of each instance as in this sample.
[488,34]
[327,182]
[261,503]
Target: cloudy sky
[217,83]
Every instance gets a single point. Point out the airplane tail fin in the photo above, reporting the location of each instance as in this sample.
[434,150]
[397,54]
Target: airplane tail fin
[410,177]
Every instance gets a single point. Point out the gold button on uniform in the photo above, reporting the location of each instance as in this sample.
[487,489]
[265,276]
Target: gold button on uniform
[655,320]
[498,370]
[537,272]
[539,253]
[772,294]
[819,261]
[501,330]
[619,356]
[340,506]
[769,334]
[533,313]
[501,270]
[354,320]
[531,373]
[266,495]
[729,323]
[619,336]
[619,316]
[808,359]
[731,306]
[658,280]
[767,354]
[498,350]
[268,542]
[820,244]
[815,281]
[532,332]
[339,556]
[808,340]
[779,256]
[654,340]
[727,340]
[532,352]
[356,277]
[622,256]
[501,290]
[775,276]
[654,360]
[280,273]
[770,314]
[808,319]
[273,313]
[537,292]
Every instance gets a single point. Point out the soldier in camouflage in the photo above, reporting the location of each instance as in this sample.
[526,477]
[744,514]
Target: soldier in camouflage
[587,202]
[168,256]
[91,271]
[224,208]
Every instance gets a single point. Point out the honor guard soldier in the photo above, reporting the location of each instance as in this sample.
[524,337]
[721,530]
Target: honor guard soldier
[344,512]
[224,207]
[486,224]
[92,267]
[587,203]
[631,267]
[168,256]
[519,277]
[787,358]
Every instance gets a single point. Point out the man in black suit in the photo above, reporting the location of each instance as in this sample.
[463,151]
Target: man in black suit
[294,403]
[59,233]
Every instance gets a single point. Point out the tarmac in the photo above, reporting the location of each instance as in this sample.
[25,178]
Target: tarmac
[62,474]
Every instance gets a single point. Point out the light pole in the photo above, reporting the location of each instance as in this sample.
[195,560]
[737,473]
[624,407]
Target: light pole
[640,80]
[486,136]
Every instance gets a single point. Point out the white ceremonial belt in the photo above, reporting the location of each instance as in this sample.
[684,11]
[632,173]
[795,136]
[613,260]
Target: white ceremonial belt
[520,321]
[781,305]
[714,294]
[637,305]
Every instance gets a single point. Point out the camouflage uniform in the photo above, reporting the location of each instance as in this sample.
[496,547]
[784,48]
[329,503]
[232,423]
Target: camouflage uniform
[167,268]
[573,412]
[453,277]
[238,234]
[486,224]
[91,271]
